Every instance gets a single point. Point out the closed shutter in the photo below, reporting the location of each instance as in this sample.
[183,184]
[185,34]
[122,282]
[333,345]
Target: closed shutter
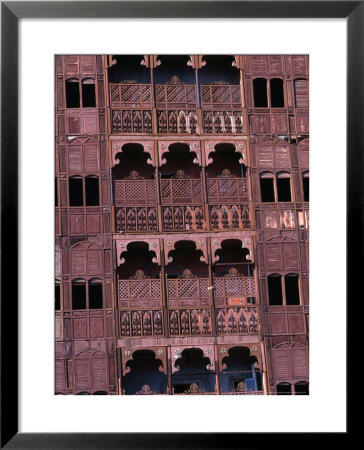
[299,363]
[301,93]
[99,372]
[82,372]
[281,363]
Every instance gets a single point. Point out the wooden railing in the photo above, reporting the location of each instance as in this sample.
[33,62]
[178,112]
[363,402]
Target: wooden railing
[181,191]
[187,292]
[145,293]
[175,96]
[130,95]
[232,290]
[135,192]
[220,96]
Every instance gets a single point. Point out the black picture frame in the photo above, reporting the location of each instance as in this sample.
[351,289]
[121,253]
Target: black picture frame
[11,12]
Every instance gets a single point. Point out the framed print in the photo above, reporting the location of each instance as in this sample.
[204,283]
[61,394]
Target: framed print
[185,261]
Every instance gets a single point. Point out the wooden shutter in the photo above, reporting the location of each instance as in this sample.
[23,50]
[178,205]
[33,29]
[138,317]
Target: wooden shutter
[301,93]
[82,372]
[299,362]
[99,372]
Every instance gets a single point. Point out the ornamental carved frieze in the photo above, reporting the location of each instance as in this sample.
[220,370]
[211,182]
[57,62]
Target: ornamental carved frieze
[127,355]
[208,352]
[117,147]
[193,145]
[122,246]
[223,352]
[170,242]
[246,242]
[150,61]
[241,147]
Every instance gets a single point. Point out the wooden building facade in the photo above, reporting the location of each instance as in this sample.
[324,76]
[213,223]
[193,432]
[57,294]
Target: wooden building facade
[182,190]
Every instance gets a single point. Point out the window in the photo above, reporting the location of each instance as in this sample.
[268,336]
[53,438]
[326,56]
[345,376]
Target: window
[301,388]
[88,93]
[92,191]
[284,389]
[283,290]
[270,189]
[87,188]
[267,187]
[301,93]
[76,91]
[87,295]
[292,290]
[57,303]
[78,294]
[72,94]
[75,191]
[306,186]
[275,290]
[276,93]
[284,187]
[260,93]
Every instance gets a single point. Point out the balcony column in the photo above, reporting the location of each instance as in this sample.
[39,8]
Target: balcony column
[211,288]
[154,111]
[159,202]
[164,291]
[204,188]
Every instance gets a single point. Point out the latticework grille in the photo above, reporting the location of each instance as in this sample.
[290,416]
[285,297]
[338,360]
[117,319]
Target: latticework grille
[220,96]
[183,96]
[175,191]
[228,288]
[227,189]
[135,192]
[133,95]
[192,289]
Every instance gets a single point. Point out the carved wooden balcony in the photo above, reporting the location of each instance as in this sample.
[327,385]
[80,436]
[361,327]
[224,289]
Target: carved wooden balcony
[234,290]
[237,320]
[227,189]
[180,121]
[222,121]
[130,95]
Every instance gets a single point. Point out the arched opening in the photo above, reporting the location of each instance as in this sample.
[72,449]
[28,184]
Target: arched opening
[193,375]
[240,375]
[75,188]
[260,93]
[88,93]
[301,388]
[83,393]
[92,190]
[79,294]
[225,162]
[128,68]
[232,254]
[283,389]
[133,163]
[186,262]
[144,376]
[138,262]
[276,93]
[174,67]
[95,294]
[219,68]
[100,393]
[180,162]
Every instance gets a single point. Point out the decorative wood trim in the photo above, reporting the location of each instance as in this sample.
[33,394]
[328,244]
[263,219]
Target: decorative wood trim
[241,146]
[194,145]
[169,245]
[122,244]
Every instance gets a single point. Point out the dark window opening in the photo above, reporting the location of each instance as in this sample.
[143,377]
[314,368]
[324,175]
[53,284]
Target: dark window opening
[260,93]
[100,393]
[95,295]
[72,94]
[57,304]
[78,296]
[306,187]
[181,388]
[88,95]
[75,191]
[267,189]
[284,389]
[276,93]
[275,290]
[301,388]
[92,191]
[284,189]
[292,290]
